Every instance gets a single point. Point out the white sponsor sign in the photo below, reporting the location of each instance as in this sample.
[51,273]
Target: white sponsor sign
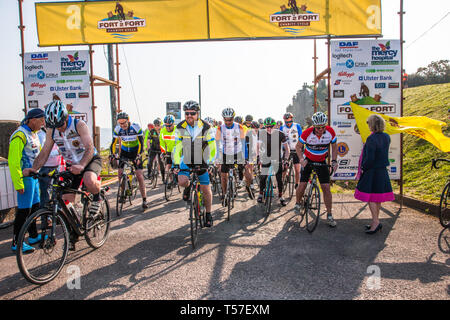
[366,72]
[62,74]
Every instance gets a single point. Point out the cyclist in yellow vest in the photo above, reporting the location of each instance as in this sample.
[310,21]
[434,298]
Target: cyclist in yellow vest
[167,139]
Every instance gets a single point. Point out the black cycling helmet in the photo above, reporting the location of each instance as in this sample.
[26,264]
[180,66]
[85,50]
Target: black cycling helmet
[157,122]
[191,105]
[238,119]
[123,115]
[269,121]
[249,117]
[255,124]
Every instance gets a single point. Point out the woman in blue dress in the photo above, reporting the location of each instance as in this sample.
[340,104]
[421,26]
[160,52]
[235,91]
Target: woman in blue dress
[374,185]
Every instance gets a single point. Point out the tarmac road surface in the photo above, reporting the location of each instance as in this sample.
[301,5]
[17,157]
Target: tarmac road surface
[149,256]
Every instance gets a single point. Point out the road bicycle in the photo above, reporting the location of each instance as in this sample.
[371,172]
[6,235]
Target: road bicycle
[311,198]
[231,193]
[197,210]
[444,211]
[269,189]
[153,171]
[214,177]
[289,178]
[128,185]
[170,183]
[57,224]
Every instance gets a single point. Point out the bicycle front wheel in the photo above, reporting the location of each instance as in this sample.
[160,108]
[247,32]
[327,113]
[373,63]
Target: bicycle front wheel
[46,262]
[194,217]
[121,198]
[444,211]
[168,186]
[155,174]
[97,227]
[269,195]
[312,209]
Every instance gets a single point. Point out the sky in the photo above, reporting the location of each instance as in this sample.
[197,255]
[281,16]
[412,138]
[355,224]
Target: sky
[253,77]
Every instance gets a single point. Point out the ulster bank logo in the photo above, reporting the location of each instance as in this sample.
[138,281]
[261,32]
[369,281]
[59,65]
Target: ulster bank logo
[292,18]
[121,22]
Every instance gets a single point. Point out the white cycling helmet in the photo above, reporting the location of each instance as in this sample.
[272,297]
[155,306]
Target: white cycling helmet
[319,119]
[228,113]
[55,114]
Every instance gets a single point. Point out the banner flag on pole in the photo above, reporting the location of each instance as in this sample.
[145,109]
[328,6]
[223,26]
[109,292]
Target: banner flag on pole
[422,127]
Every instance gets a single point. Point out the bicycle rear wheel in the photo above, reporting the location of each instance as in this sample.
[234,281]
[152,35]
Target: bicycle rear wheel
[230,192]
[312,208]
[168,186]
[50,254]
[269,195]
[194,217]
[444,211]
[155,174]
[97,227]
[291,182]
[121,198]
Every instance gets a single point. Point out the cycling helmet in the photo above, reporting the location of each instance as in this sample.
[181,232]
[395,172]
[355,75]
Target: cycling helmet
[238,119]
[209,120]
[319,119]
[249,117]
[228,113]
[279,123]
[150,126]
[288,115]
[123,115]
[191,105]
[169,119]
[255,124]
[157,122]
[269,121]
[55,114]
[260,121]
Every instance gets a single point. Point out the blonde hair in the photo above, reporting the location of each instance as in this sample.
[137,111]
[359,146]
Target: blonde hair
[376,123]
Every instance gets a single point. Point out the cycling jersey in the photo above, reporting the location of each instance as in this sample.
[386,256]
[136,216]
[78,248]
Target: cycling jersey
[191,143]
[231,138]
[154,141]
[317,148]
[69,142]
[23,149]
[293,133]
[132,138]
[167,140]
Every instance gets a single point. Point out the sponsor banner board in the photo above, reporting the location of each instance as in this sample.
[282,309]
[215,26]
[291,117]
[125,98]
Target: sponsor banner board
[98,22]
[366,72]
[59,74]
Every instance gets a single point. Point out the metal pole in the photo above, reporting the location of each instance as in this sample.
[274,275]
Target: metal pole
[329,78]
[315,77]
[200,95]
[112,90]
[118,83]
[401,13]
[91,61]
[22,53]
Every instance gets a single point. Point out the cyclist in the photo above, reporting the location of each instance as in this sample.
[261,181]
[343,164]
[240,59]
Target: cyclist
[238,119]
[231,135]
[154,148]
[248,122]
[251,151]
[167,140]
[272,141]
[131,140]
[77,148]
[317,140]
[23,150]
[292,131]
[194,145]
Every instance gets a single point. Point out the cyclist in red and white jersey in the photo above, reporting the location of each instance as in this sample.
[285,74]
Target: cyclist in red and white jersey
[317,140]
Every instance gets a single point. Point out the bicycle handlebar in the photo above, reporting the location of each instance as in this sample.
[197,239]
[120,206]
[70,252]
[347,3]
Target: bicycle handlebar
[435,161]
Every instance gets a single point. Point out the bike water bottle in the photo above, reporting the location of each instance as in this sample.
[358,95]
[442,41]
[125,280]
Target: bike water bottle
[200,199]
[72,210]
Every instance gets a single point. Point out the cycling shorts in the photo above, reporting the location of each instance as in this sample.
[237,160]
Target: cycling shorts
[203,177]
[323,173]
[132,156]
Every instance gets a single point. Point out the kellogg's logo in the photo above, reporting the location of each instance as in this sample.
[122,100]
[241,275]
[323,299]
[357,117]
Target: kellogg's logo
[346,74]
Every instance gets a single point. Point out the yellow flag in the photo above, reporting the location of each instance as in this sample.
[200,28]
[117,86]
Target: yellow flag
[422,127]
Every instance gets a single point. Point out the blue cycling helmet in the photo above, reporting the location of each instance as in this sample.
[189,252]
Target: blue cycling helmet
[169,119]
[55,114]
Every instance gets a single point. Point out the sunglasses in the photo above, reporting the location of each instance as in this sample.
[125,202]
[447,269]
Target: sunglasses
[228,120]
[168,125]
[289,121]
[122,123]
[193,113]
[319,127]
[269,127]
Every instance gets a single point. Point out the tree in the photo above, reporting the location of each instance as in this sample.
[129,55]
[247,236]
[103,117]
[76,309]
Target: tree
[435,72]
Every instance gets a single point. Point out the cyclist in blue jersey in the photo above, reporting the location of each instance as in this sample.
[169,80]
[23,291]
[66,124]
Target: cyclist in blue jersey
[131,140]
